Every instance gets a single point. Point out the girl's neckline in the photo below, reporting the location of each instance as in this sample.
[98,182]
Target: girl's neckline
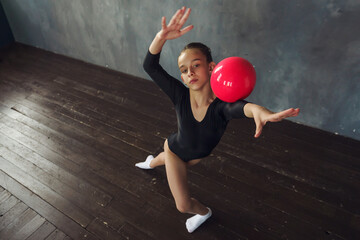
[207,110]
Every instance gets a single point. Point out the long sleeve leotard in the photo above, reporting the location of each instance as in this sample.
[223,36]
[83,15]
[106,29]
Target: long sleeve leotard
[194,139]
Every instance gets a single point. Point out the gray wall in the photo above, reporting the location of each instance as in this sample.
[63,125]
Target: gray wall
[306,52]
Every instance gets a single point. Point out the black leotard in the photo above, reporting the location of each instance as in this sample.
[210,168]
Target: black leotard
[194,139]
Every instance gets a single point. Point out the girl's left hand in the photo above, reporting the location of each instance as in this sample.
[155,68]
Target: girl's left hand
[263,115]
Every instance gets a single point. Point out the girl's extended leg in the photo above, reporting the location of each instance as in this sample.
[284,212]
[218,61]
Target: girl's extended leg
[177,178]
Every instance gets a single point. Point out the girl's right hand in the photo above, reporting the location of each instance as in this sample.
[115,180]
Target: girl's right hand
[173,29]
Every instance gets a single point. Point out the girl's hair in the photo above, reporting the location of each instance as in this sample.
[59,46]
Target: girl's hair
[202,47]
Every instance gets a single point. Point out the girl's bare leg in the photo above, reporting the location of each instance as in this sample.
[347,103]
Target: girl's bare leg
[176,171]
[177,179]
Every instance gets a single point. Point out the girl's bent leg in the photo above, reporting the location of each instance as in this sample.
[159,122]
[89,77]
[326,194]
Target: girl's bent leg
[177,178]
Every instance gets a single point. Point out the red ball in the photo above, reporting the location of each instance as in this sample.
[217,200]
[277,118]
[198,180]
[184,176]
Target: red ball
[233,79]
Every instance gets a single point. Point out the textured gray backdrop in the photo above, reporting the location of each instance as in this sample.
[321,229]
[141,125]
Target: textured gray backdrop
[306,53]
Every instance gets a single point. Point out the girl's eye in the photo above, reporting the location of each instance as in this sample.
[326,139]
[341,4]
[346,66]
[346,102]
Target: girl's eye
[184,71]
[196,65]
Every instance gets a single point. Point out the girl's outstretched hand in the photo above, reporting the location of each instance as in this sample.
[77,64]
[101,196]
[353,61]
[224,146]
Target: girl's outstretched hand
[174,28]
[263,115]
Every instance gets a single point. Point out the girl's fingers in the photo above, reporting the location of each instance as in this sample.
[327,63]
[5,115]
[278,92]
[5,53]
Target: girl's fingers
[173,29]
[185,17]
[259,125]
[284,114]
[179,17]
[176,17]
[163,22]
[186,29]
[258,132]
[292,112]
[294,115]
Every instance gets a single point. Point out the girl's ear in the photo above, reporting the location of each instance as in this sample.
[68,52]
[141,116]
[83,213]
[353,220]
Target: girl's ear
[212,65]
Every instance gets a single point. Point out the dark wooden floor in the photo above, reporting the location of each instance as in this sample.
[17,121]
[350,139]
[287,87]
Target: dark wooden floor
[71,132]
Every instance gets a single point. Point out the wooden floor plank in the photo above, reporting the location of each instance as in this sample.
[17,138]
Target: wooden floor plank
[103,230]
[78,215]
[4,195]
[46,210]
[89,150]
[56,235]
[66,192]
[29,228]
[269,206]
[79,185]
[124,179]
[12,214]
[102,110]
[42,232]
[7,204]
[128,231]
[14,227]
[232,196]
[29,127]
[322,176]
[55,93]
[42,150]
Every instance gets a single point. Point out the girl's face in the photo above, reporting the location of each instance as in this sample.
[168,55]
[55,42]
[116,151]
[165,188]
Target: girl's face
[194,68]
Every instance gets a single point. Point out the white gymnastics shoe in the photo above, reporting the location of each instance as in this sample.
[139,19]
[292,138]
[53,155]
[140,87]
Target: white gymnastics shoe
[195,221]
[146,164]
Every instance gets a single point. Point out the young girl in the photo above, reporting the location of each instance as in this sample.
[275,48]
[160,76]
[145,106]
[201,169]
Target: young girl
[202,117]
